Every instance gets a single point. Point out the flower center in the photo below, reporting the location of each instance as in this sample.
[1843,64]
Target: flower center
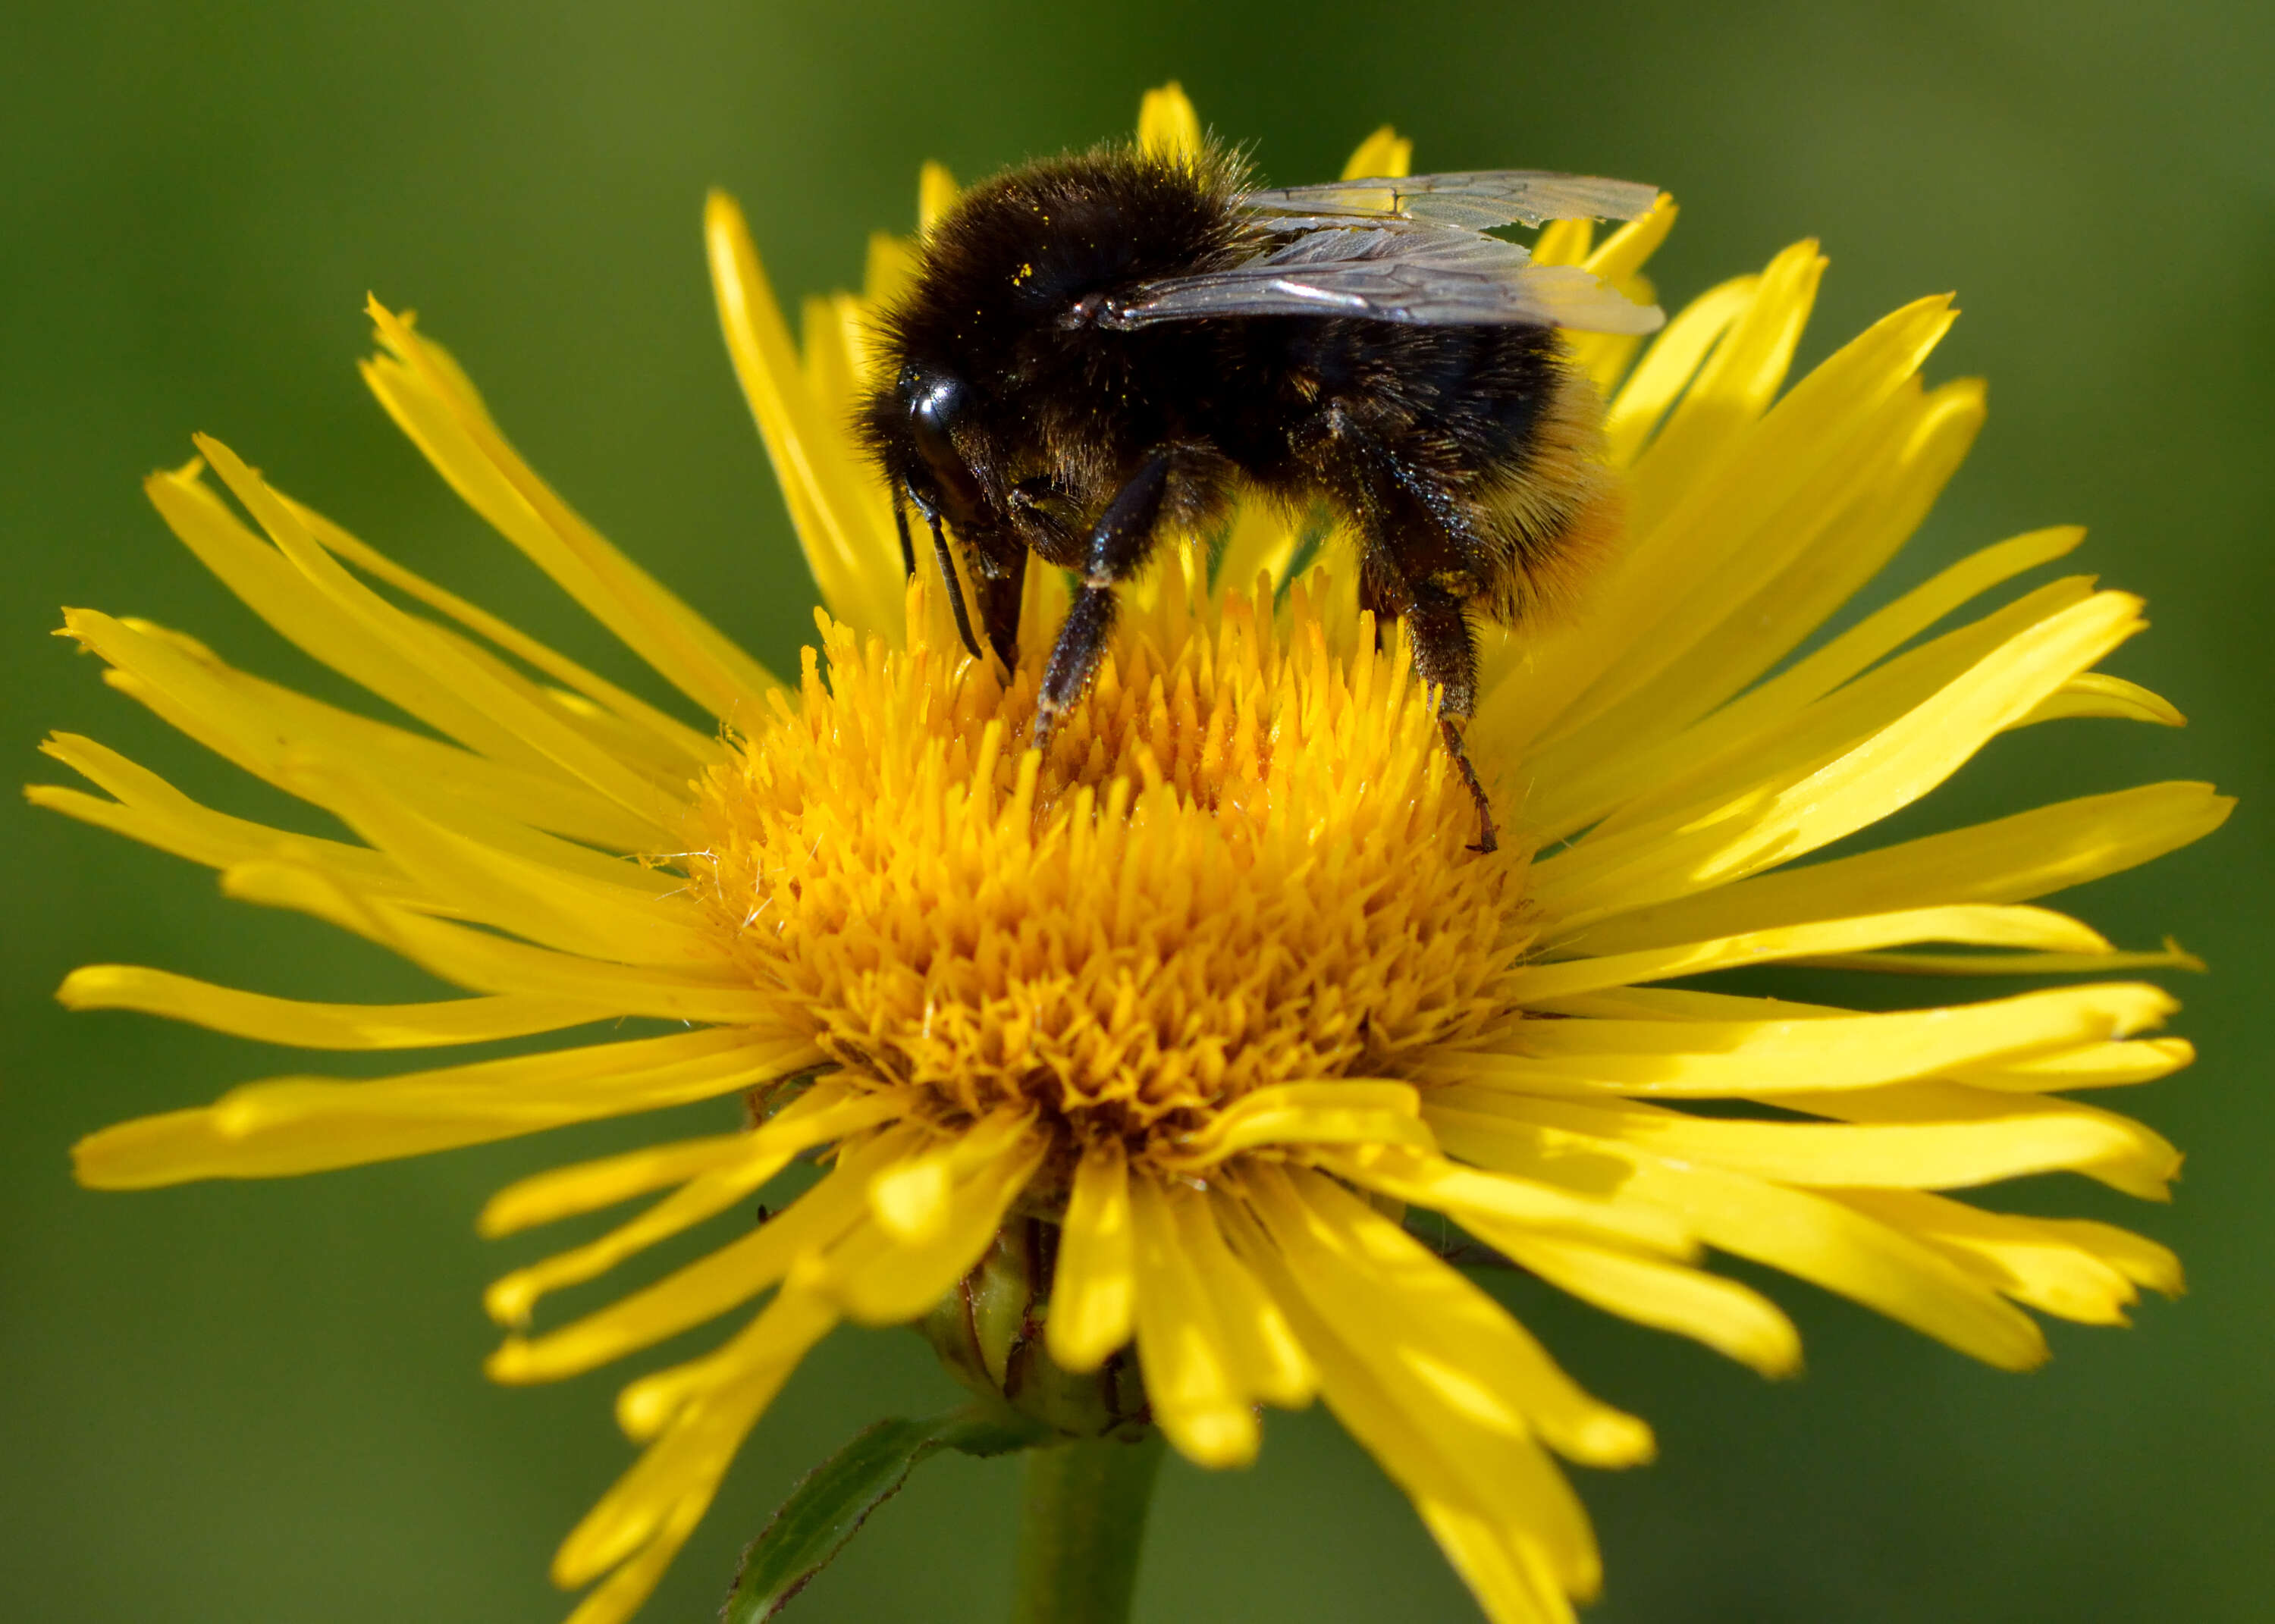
[1243,863]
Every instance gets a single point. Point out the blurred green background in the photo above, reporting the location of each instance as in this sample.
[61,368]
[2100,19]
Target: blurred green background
[263,1402]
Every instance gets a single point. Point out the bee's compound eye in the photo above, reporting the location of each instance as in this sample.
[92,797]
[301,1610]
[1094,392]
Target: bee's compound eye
[937,402]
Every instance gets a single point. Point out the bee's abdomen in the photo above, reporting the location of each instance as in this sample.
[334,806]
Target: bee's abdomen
[1472,456]
[1554,511]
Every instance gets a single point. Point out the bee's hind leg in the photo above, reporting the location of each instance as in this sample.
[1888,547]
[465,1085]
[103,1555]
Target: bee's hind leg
[1446,657]
[1119,543]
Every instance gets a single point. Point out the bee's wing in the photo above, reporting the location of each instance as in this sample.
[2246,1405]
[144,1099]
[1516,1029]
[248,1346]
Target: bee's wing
[1476,201]
[1420,276]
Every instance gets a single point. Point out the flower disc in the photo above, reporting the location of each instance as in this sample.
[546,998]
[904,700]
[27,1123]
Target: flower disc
[1244,863]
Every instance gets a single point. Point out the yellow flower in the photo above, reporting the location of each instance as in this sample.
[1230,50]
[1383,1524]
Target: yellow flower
[1217,987]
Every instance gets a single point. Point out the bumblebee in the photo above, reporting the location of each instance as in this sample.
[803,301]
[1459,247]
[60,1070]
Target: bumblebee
[1100,348]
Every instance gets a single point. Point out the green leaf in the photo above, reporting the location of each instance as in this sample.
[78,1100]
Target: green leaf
[831,1502]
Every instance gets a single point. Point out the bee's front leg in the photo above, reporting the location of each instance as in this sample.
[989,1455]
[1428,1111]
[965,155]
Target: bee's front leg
[901,525]
[997,597]
[1119,543]
[947,567]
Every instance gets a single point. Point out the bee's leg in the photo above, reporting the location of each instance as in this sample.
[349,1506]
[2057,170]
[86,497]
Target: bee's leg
[1437,627]
[999,611]
[901,524]
[1381,594]
[1445,656]
[947,579]
[1118,544]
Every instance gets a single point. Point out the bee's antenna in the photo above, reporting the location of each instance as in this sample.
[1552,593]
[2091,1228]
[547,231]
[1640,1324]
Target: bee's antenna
[946,569]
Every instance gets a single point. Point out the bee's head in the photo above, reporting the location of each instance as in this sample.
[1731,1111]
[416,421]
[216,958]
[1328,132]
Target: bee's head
[925,431]
[929,415]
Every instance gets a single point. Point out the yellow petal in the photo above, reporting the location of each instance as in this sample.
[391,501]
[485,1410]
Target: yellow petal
[1093,1294]
[1817,452]
[429,402]
[713,1284]
[1734,390]
[2030,854]
[1483,1363]
[1726,1316]
[1266,1360]
[1805,1234]
[587,1186]
[1621,256]
[840,515]
[1670,363]
[554,907]
[643,1520]
[1664,727]
[2097,693]
[1692,848]
[1706,773]
[1167,127]
[1619,261]
[431,672]
[1667,1003]
[936,194]
[821,1117]
[321,626]
[1573,789]
[1476,1197]
[152,811]
[1809,1055]
[305,1125]
[1753,332]
[890,267]
[1191,1383]
[260,725]
[486,963]
[1419,1426]
[2093,1065]
[318,1025]
[1384,154]
[914,1200]
[832,341]
[1506,1573]
[879,1278]
[1330,1113]
[2076,1269]
[1564,242]
[1911,1147]
[1981,924]
[626,1590]
[668,740]
[2053,1133]
[2171,957]
[1497,1506]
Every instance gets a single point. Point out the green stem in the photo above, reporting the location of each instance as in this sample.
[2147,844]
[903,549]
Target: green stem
[1081,1518]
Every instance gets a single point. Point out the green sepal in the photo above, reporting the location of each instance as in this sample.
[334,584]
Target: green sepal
[831,1502]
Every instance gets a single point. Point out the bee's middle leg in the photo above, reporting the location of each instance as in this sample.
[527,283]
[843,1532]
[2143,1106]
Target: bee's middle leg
[1119,543]
[1446,657]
